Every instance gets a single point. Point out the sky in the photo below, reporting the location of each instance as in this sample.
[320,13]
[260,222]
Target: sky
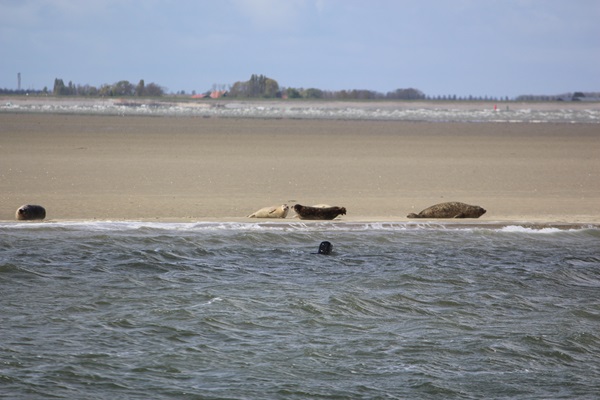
[496,48]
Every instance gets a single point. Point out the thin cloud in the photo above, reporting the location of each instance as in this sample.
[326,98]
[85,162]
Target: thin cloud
[275,14]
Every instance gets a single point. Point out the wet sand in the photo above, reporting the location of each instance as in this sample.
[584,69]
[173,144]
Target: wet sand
[96,167]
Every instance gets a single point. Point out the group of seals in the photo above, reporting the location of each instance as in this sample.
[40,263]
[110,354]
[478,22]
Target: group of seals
[320,212]
[29,212]
[452,209]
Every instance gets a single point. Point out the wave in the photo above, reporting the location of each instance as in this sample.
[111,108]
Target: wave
[342,226]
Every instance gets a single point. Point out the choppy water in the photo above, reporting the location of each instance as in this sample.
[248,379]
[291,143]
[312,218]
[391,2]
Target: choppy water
[247,311]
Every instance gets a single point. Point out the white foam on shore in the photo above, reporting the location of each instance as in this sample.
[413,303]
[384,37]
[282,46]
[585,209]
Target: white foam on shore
[525,229]
[312,226]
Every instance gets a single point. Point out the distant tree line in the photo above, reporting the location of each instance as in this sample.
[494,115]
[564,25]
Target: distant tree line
[354,94]
[466,98]
[576,96]
[121,88]
[261,86]
[256,86]
[23,92]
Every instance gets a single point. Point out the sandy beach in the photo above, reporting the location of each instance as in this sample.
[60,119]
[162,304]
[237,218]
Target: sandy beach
[104,167]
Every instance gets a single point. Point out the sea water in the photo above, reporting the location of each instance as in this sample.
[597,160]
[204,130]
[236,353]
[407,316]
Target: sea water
[135,310]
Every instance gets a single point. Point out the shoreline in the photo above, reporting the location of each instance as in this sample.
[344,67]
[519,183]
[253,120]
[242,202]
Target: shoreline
[242,224]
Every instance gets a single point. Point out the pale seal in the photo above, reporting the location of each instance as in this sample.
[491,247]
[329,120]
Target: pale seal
[271,212]
[453,209]
[30,212]
[306,212]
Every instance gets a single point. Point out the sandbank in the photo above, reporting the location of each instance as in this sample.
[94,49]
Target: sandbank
[193,168]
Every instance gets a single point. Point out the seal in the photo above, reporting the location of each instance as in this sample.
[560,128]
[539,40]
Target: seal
[325,248]
[306,212]
[452,209]
[271,212]
[316,206]
[30,212]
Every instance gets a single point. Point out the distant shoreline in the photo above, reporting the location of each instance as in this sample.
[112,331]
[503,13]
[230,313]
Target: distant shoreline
[394,110]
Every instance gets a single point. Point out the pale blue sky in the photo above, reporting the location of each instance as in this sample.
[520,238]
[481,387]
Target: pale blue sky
[442,47]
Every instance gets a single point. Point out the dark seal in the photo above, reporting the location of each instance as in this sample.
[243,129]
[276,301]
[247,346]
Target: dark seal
[30,212]
[306,212]
[325,248]
[453,209]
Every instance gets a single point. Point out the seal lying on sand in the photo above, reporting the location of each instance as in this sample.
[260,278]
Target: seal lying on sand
[271,212]
[306,212]
[316,206]
[452,209]
[30,212]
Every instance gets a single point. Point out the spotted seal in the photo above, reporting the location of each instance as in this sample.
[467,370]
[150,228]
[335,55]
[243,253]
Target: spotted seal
[30,212]
[271,212]
[452,209]
[306,212]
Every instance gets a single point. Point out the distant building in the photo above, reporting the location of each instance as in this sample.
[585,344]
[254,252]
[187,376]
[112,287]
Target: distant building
[215,94]
[218,94]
